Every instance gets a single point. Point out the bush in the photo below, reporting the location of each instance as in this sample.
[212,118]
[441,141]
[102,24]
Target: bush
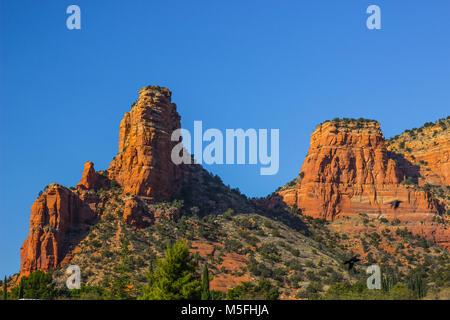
[264,290]
[37,285]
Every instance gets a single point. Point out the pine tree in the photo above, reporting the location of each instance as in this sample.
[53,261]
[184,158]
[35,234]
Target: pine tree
[205,283]
[176,276]
[5,292]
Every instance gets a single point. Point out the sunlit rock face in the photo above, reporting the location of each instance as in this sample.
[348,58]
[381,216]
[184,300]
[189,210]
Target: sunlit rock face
[143,165]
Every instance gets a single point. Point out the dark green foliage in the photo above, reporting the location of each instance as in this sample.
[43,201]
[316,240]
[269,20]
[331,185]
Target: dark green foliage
[89,293]
[359,291]
[175,277]
[259,269]
[408,181]
[416,283]
[232,245]
[359,123]
[205,283]
[21,290]
[388,282]
[270,252]
[37,285]
[264,290]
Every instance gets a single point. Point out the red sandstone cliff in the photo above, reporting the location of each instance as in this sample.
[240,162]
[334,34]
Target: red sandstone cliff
[348,172]
[143,165]
[58,217]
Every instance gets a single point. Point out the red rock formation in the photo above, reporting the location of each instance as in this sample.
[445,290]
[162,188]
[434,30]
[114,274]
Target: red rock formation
[89,177]
[132,214]
[55,215]
[143,165]
[140,214]
[347,171]
[427,148]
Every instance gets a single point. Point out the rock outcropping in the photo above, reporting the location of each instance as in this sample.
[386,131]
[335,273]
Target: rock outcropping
[143,165]
[428,148]
[59,217]
[89,178]
[349,171]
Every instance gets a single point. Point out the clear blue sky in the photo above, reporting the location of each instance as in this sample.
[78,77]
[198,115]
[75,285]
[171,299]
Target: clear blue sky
[250,64]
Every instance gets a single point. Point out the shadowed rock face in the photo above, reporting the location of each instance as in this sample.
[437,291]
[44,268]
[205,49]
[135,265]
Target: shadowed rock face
[143,165]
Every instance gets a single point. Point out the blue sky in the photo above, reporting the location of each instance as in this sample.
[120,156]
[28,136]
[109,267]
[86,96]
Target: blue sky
[232,64]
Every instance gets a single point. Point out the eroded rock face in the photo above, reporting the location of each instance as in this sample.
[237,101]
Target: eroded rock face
[143,165]
[58,217]
[428,148]
[349,171]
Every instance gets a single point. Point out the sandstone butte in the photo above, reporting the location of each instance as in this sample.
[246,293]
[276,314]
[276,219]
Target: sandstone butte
[349,171]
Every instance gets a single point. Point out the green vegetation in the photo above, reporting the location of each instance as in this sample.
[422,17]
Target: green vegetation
[38,285]
[359,291]
[359,123]
[205,283]
[175,277]
[263,290]
[408,181]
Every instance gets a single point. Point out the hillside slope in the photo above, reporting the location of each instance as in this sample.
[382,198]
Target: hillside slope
[355,194]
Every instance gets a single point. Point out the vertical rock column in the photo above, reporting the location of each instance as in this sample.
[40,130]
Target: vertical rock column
[143,165]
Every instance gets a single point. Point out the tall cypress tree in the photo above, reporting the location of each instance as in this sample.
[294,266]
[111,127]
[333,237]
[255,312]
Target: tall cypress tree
[205,283]
[5,292]
[21,290]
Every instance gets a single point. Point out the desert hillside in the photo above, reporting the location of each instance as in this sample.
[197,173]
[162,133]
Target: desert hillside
[356,193]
